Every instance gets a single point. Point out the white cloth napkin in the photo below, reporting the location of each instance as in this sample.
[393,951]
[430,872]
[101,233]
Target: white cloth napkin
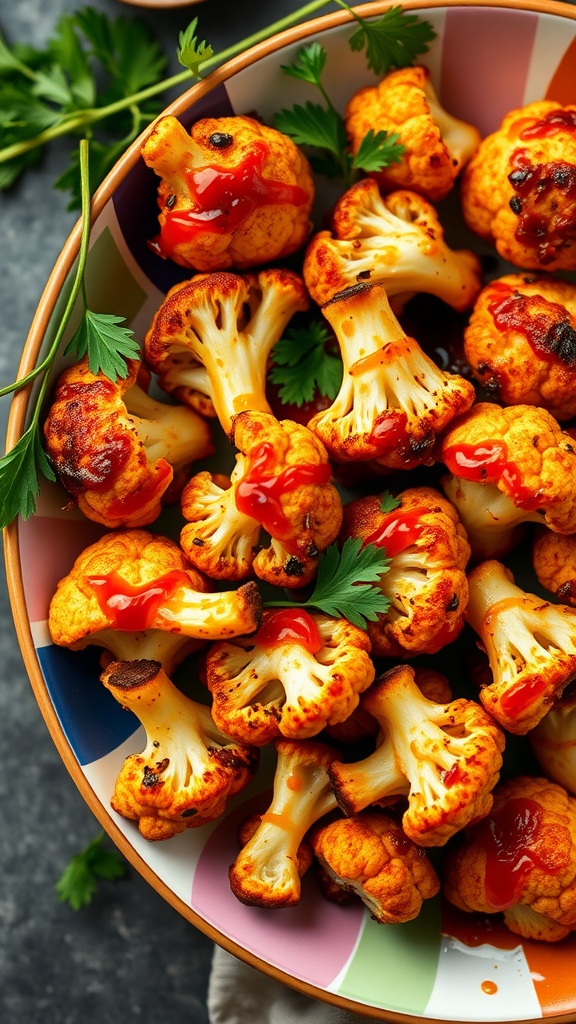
[240,994]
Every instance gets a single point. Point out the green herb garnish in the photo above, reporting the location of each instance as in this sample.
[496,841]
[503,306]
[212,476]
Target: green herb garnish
[305,366]
[79,880]
[388,503]
[394,41]
[347,583]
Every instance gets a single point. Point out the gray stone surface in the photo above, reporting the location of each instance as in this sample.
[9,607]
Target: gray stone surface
[129,956]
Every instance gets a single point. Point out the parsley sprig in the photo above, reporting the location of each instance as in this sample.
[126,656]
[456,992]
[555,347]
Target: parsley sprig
[108,346]
[79,880]
[347,583]
[304,365]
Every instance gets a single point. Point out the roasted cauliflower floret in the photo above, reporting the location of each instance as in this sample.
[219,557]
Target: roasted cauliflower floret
[426,581]
[397,241]
[299,673]
[554,741]
[233,192]
[369,855]
[281,484]
[554,562]
[444,757]
[521,342]
[210,339]
[267,871]
[394,401]
[509,466]
[530,643]
[115,448]
[518,189]
[520,860]
[188,769]
[130,587]
[436,144]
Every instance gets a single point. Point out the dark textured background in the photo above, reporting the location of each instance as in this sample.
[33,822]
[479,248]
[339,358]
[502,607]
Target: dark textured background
[129,956]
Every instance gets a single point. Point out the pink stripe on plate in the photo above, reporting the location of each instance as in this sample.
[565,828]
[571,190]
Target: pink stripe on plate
[485,62]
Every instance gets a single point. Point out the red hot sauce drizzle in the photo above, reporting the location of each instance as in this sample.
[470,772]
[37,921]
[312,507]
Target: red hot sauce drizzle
[131,503]
[544,198]
[223,198]
[398,530]
[290,626]
[133,607]
[259,493]
[389,432]
[509,840]
[488,463]
[546,325]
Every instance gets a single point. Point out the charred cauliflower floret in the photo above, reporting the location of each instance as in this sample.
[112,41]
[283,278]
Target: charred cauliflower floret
[554,562]
[394,401]
[299,673]
[436,144]
[444,757]
[369,855]
[115,448]
[233,192]
[267,871]
[554,741]
[530,643]
[520,861]
[518,189]
[136,594]
[509,466]
[281,484]
[397,241]
[426,581]
[210,339]
[521,342]
[188,769]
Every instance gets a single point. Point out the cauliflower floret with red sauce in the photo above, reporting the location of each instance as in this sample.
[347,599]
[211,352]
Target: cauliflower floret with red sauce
[521,342]
[426,581]
[233,192]
[136,594]
[116,449]
[188,769]
[394,400]
[520,860]
[518,189]
[444,757]
[395,240]
[509,466]
[530,643]
[436,144]
[298,674]
[211,337]
[267,871]
[369,855]
[282,483]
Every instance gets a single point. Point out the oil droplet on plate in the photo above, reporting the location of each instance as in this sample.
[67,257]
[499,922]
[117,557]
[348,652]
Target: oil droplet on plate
[489,988]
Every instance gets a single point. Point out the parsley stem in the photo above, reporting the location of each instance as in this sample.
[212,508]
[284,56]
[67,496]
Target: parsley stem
[80,119]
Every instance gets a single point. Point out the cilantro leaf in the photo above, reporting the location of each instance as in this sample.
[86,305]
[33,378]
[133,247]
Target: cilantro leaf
[388,503]
[394,41]
[107,344]
[309,65]
[79,880]
[191,54]
[313,125]
[378,150]
[19,484]
[303,365]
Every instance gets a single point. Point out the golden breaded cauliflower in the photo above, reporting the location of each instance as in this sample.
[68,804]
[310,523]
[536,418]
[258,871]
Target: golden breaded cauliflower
[299,673]
[521,342]
[188,769]
[520,861]
[116,449]
[233,192]
[437,145]
[445,758]
[394,400]
[282,484]
[530,643]
[395,240]
[426,582]
[508,466]
[211,337]
[131,585]
[554,562]
[369,855]
[518,189]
